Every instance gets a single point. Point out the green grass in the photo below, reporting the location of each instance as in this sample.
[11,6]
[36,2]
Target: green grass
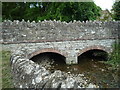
[6,70]
[115,56]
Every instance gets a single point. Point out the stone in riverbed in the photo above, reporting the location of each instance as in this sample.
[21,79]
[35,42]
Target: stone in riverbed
[68,83]
[91,86]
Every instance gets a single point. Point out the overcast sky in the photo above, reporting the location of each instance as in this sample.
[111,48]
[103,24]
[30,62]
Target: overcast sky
[105,4]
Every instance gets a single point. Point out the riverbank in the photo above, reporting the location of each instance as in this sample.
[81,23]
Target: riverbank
[7,77]
[6,70]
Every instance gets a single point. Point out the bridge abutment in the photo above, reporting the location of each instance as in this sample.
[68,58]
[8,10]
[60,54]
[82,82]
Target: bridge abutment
[72,60]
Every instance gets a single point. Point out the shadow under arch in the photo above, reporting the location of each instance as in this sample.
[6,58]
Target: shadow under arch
[46,50]
[97,47]
[94,53]
[48,55]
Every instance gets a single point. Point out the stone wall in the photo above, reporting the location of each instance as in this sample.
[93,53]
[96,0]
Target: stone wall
[28,74]
[15,32]
[70,49]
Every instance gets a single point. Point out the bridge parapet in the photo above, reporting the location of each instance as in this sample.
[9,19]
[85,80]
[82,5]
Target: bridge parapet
[46,31]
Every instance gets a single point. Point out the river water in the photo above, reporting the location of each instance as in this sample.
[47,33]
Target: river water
[93,69]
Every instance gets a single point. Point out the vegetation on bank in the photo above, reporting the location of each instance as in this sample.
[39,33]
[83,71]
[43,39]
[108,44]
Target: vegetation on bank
[115,55]
[6,70]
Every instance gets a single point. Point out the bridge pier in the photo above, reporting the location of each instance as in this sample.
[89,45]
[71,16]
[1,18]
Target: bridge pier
[71,60]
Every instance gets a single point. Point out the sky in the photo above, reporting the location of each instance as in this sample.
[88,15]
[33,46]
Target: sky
[104,4]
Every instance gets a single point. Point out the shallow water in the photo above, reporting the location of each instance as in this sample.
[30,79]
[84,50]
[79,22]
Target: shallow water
[94,70]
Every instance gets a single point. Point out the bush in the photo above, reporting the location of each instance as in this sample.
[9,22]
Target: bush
[115,55]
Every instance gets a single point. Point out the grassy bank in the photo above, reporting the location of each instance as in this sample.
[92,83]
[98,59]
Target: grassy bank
[114,61]
[6,70]
[115,56]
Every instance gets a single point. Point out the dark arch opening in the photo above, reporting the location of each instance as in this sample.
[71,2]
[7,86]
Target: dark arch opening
[96,71]
[47,59]
[94,54]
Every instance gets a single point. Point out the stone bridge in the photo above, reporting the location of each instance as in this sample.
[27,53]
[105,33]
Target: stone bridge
[28,39]
[67,39]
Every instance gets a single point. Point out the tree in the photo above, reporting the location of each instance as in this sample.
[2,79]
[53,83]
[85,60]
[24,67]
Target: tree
[116,9]
[12,10]
[64,11]
[69,11]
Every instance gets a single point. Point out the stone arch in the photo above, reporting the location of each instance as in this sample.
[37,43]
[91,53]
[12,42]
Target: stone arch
[99,47]
[46,50]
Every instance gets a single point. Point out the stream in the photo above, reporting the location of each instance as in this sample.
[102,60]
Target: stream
[94,70]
